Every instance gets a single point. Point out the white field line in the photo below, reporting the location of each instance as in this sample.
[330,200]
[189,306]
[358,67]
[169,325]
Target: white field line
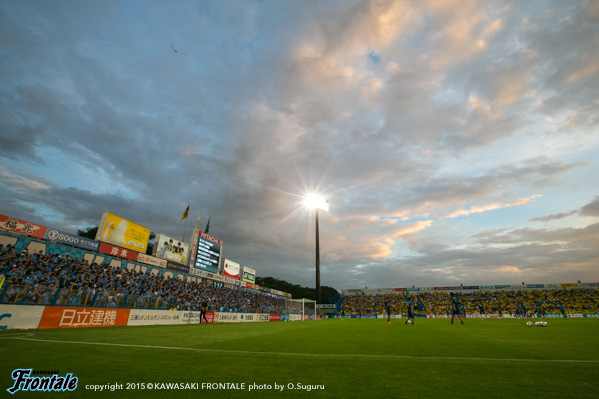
[26,337]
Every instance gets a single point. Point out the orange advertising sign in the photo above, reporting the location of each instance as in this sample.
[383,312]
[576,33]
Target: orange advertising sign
[67,317]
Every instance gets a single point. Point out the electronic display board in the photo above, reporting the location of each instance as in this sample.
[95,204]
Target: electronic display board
[209,250]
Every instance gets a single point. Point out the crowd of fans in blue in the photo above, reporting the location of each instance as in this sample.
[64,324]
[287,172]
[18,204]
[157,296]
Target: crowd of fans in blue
[38,278]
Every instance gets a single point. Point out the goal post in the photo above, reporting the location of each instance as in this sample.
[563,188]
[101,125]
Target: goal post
[304,308]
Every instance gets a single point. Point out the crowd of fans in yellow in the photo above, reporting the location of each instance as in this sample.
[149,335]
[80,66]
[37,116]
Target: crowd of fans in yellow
[526,301]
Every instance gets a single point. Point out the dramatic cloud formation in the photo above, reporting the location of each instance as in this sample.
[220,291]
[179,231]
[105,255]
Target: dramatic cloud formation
[456,141]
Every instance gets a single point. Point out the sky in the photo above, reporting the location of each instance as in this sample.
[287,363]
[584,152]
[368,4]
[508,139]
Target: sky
[457,142]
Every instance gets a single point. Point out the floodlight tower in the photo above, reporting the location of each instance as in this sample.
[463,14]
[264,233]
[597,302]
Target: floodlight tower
[317,203]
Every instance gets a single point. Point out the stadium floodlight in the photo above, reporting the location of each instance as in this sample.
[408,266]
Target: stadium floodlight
[317,202]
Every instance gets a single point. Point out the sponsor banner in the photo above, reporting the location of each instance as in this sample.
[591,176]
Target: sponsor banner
[352,291]
[263,317]
[221,317]
[297,317]
[249,274]
[535,286]
[122,232]
[171,249]
[568,285]
[594,315]
[189,317]
[62,237]
[326,306]
[119,252]
[151,260]
[66,317]
[274,317]
[250,285]
[224,317]
[502,287]
[22,227]
[208,252]
[144,317]
[201,273]
[177,267]
[589,284]
[441,288]
[399,289]
[230,280]
[487,287]
[249,317]
[13,317]
[194,317]
[231,269]
[470,287]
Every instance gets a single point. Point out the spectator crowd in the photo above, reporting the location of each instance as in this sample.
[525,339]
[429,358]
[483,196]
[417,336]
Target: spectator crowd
[51,279]
[514,302]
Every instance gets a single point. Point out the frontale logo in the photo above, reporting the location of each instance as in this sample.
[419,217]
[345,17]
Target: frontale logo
[2,316]
[55,383]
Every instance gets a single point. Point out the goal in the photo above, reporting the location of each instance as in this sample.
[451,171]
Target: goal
[304,309]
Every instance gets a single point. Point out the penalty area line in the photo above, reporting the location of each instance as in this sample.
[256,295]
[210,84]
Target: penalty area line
[344,355]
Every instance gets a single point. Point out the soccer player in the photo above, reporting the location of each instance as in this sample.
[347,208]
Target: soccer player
[456,309]
[410,307]
[562,309]
[481,310]
[388,307]
[203,310]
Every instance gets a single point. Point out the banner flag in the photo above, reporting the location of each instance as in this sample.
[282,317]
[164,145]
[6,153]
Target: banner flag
[185,213]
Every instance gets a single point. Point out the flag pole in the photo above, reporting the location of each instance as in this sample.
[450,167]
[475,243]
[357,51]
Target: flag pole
[185,215]
[185,230]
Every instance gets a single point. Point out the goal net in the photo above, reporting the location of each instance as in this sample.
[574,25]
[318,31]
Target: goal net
[301,309]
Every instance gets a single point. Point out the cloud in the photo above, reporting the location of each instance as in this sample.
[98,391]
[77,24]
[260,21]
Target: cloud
[406,115]
[491,207]
[591,209]
[421,225]
[550,218]
[14,181]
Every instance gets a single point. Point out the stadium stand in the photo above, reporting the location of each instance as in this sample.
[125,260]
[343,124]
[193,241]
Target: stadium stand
[535,301]
[39,279]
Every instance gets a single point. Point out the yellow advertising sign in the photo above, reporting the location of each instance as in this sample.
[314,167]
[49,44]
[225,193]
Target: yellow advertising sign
[122,232]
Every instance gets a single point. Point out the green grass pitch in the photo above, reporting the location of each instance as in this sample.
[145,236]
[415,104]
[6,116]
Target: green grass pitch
[348,358]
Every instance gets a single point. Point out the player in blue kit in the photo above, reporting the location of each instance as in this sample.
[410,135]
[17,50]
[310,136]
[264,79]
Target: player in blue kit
[562,309]
[456,309]
[481,309]
[388,307]
[410,307]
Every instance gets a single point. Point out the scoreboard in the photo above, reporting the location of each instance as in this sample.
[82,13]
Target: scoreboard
[208,253]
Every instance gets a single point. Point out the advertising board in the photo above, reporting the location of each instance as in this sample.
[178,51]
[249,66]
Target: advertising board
[122,232]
